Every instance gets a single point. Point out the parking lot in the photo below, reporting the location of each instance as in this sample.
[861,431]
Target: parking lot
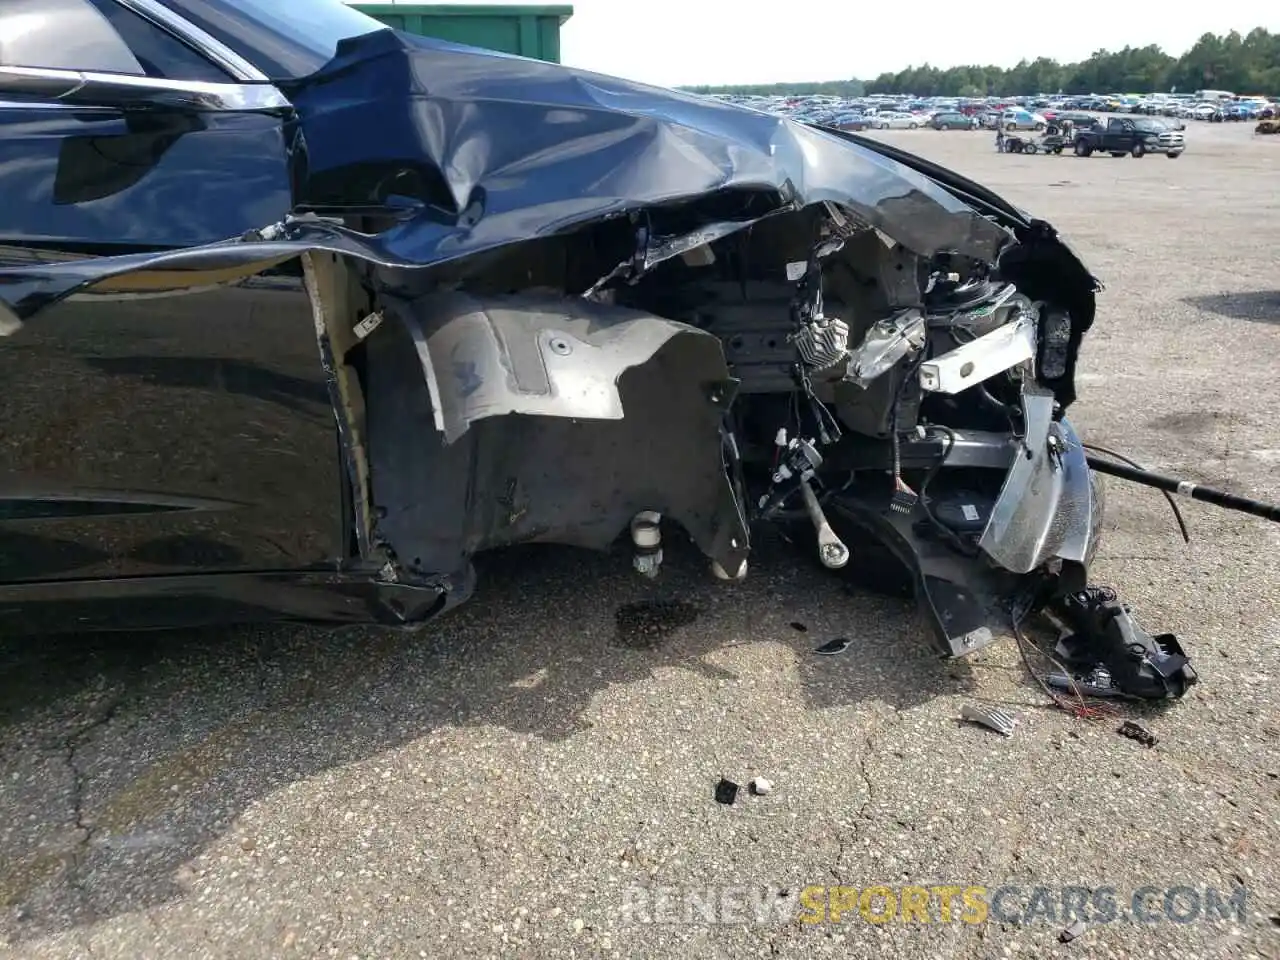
[504,784]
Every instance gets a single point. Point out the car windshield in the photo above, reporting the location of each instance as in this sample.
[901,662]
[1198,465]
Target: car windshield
[1151,126]
[285,39]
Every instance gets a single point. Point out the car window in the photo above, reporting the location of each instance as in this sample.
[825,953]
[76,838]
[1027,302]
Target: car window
[158,52]
[285,39]
[61,35]
[98,36]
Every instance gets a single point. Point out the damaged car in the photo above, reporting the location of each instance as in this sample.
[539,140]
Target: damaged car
[300,314]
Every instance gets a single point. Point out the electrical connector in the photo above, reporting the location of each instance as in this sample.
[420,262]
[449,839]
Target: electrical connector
[904,499]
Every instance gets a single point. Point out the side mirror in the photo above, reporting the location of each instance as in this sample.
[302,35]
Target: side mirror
[81,88]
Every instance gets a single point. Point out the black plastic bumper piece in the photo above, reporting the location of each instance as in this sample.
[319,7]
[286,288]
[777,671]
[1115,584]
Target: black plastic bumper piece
[1105,635]
[966,600]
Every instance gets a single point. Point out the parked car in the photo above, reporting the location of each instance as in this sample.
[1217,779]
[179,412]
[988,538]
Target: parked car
[953,121]
[896,121]
[1022,120]
[300,314]
[1133,136]
[851,121]
[1077,118]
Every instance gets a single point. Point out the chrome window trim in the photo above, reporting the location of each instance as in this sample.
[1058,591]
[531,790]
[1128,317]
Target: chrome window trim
[193,36]
[59,86]
[44,105]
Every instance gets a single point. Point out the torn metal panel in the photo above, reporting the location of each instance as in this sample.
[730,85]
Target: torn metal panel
[329,289]
[885,344]
[1046,506]
[497,473]
[547,356]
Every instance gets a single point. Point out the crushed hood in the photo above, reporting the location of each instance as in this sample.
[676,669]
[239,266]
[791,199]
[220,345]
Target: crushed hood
[509,148]
[470,150]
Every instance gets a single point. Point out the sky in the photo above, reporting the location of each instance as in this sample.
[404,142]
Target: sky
[685,42]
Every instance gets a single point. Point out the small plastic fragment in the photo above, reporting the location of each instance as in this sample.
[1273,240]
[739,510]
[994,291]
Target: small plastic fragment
[832,647]
[726,792]
[1075,929]
[993,718]
[760,786]
[1136,731]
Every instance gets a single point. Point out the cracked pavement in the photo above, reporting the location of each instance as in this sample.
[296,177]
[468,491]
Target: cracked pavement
[497,786]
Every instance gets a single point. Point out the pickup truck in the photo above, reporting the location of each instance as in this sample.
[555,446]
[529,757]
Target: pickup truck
[1136,136]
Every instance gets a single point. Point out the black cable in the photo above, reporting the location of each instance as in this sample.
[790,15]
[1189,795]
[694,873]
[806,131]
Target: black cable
[1196,491]
[731,459]
[997,405]
[1173,504]
[950,535]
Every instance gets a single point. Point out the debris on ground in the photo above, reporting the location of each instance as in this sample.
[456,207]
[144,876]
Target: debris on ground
[1107,654]
[1136,731]
[726,792]
[993,718]
[832,647]
[1073,930]
[760,786]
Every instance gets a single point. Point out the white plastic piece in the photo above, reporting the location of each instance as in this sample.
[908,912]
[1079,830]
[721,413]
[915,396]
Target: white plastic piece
[646,529]
[780,438]
[760,786]
[9,322]
[646,535]
[796,269]
[700,256]
[720,573]
[367,325]
[971,363]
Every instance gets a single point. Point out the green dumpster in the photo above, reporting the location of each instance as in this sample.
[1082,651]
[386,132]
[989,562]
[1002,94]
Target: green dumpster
[524,30]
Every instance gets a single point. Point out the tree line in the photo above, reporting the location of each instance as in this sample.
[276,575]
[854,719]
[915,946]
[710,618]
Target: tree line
[835,88]
[1243,64]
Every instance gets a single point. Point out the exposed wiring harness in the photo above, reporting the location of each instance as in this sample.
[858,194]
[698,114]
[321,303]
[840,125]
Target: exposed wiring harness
[1077,705]
[904,497]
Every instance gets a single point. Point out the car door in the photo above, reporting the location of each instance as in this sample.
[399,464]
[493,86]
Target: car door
[152,432]
[1119,134]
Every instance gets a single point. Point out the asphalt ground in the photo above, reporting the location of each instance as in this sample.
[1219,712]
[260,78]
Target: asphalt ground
[528,780]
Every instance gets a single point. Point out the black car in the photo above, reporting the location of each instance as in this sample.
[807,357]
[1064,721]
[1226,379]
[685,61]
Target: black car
[298,314]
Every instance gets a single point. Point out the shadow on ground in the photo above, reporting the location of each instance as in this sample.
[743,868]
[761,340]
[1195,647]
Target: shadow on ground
[1261,306]
[125,755]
